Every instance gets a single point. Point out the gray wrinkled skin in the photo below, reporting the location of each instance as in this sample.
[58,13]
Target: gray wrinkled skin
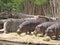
[53,30]
[42,27]
[29,26]
[11,25]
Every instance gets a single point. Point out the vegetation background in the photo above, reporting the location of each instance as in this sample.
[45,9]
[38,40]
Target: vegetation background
[32,7]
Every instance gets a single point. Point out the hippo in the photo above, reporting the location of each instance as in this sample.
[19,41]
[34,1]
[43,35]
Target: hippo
[26,26]
[53,30]
[42,27]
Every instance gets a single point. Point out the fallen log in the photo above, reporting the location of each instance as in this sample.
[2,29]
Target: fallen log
[5,15]
[50,18]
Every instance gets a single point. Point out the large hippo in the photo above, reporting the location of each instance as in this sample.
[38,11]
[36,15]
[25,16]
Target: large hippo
[53,30]
[42,27]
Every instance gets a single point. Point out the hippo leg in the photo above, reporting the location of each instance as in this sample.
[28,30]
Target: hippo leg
[26,32]
[57,36]
[49,33]
[43,33]
[29,31]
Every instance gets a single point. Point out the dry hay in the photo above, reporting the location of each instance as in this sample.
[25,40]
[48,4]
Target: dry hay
[14,37]
[24,37]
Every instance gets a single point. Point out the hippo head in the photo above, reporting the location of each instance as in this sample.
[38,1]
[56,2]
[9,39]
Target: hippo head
[37,30]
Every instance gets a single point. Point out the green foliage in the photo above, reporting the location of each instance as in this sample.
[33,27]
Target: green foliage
[17,5]
[49,15]
[41,2]
[8,5]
